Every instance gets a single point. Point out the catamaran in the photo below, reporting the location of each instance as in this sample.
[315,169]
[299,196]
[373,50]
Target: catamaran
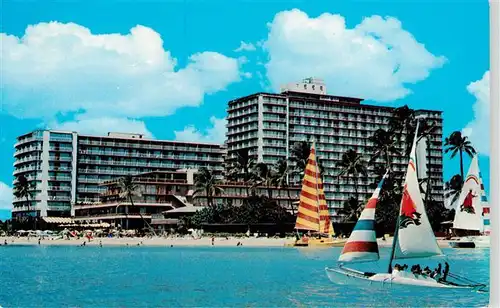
[312,215]
[472,213]
[413,239]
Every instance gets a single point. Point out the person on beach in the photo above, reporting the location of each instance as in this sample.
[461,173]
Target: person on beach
[213,240]
[5,242]
[100,243]
[38,241]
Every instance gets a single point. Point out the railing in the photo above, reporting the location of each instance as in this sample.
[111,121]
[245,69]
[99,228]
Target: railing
[27,159]
[59,198]
[26,150]
[61,149]
[59,188]
[60,158]
[29,139]
[195,148]
[59,178]
[26,169]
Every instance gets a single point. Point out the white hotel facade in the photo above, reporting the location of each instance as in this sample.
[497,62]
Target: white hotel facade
[270,124]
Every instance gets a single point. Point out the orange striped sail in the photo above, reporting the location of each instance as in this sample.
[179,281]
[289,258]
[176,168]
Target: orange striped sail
[313,212]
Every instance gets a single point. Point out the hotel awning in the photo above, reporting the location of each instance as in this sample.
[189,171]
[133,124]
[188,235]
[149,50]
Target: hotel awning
[58,220]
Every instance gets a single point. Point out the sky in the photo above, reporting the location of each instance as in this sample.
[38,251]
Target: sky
[168,68]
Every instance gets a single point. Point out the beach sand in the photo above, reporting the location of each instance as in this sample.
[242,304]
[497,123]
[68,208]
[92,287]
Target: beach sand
[167,242]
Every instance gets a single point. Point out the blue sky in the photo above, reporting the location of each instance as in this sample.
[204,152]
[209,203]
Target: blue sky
[168,68]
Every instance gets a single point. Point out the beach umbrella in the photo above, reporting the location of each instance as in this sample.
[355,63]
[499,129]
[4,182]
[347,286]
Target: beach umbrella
[21,231]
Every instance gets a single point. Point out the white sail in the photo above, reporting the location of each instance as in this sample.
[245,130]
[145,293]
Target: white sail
[415,238]
[468,211]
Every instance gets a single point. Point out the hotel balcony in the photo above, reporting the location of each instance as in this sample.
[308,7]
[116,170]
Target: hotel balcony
[59,198]
[60,178]
[26,140]
[25,169]
[165,147]
[27,150]
[27,159]
[59,188]
[61,149]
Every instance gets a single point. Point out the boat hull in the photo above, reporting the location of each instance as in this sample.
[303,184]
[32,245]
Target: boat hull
[481,241]
[462,244]
[402,280]
[327,243]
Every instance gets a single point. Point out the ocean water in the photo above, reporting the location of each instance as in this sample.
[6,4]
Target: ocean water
[207,277]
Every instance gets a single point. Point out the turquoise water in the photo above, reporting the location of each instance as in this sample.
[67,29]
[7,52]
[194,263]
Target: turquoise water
[206,277]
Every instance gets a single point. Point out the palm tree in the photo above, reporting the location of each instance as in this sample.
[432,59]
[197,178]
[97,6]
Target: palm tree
[384,144]
[453,188]
[129,189]
[299,156]
[242,168]
[351,210]
[281,180]
[22,190]
[352,165]
[206,182]
[456,143]
[264,175]
[402,120]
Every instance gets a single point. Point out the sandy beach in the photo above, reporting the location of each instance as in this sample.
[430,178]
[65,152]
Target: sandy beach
[168,242]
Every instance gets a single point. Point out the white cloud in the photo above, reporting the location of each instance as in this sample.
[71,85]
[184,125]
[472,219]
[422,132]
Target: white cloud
[375,60]
[60,68]
[214,134]
[478,130]
[103,125]
[5,196]
[245,47]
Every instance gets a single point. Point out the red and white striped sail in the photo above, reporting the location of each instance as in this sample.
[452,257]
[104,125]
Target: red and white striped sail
[415,238]
[313,213]
[362,244]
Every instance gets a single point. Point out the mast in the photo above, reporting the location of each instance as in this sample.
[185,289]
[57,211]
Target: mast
[317,186]
[396,232]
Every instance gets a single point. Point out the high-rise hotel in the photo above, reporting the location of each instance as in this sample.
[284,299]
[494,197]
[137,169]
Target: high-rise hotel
[269,125]
[66,168]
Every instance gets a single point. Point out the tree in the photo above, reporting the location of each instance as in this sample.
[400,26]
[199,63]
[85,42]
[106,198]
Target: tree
[264,175]
[352,165]
[456,143]
[282,179]
[242,168]
[205,181]
[351,210]
[404,123]
[129,189]
[23,189]
[453,188]
[299,156]
[384,144]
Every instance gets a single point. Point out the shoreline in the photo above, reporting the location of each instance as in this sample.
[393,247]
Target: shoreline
[170,242]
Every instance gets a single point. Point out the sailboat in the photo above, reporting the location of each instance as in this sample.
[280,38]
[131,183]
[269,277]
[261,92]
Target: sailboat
[413,239]
[313,216]
[472,213]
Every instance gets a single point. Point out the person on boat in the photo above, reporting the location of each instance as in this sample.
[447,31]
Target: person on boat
[427,271]
[446,270]
[467,204]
